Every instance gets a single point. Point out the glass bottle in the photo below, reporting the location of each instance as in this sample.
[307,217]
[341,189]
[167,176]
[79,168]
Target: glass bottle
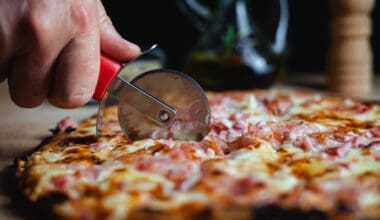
[233,52]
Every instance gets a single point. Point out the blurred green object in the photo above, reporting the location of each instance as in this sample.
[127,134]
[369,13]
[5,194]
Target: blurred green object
[233,51]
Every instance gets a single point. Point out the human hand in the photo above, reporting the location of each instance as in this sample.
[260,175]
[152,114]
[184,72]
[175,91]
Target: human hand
[50,49]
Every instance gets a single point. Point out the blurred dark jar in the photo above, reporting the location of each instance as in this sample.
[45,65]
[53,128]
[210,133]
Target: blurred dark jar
[241,45]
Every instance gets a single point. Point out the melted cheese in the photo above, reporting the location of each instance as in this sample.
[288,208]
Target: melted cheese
[284,147]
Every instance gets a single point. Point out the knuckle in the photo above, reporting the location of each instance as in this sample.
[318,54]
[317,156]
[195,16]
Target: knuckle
[36,19]
[105,20]
[38,25]
[82,16]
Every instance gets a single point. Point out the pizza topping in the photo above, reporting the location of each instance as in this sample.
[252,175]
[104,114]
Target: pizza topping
[63,182]
[243,141]
[278,106]
[215,145]
[98,146]
[218,127]
[177,172]
[306,143]
[66,124]
[374,132]
[362,108]
[338,151]
[296,132]
[375,149]
[352,106]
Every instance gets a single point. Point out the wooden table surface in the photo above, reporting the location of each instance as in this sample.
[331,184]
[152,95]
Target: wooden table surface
[23,129]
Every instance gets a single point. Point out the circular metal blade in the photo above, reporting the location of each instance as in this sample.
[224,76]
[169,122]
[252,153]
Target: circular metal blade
[177,90]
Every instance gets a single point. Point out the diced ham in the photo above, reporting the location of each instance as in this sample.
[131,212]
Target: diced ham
[176,171]
[358,141]
[239,126]
[375,132]
[218,127]
[66,123]
[98,145]
[93,172]
[345,165]
[278,106]
[296,132]
[245,185]
[243,142]
[300,129]
[191,150]
[340,136]
[339,151]
[351,106]
[306,143]
[62,182]
[218,146]
[375,149]
[261,130]
[238,120]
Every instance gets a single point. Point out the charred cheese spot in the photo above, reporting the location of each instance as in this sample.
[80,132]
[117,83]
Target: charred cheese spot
[80,140]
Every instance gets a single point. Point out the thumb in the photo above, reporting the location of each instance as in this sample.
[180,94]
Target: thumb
[111,43]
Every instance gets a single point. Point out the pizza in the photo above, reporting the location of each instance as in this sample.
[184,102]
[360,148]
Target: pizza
[269,154]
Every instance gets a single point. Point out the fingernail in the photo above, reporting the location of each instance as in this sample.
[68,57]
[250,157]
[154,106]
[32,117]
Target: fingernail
[133,46]
[111,29]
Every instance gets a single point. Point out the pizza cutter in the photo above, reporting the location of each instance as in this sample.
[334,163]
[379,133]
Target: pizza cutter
[157,103]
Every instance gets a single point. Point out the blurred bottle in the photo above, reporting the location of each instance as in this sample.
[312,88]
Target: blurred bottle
[233,51]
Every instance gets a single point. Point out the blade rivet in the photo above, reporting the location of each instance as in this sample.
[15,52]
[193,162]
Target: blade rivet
[163,116]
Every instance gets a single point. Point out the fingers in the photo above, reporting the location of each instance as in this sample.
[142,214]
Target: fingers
[56,55]
[30,66]
[77,67]
[29,78]
[111,42]
[76,72]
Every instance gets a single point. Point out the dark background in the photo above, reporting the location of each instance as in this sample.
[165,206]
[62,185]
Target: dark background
[146,22]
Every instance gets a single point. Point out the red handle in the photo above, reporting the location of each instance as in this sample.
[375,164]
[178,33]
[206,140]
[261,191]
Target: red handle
[108,69]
